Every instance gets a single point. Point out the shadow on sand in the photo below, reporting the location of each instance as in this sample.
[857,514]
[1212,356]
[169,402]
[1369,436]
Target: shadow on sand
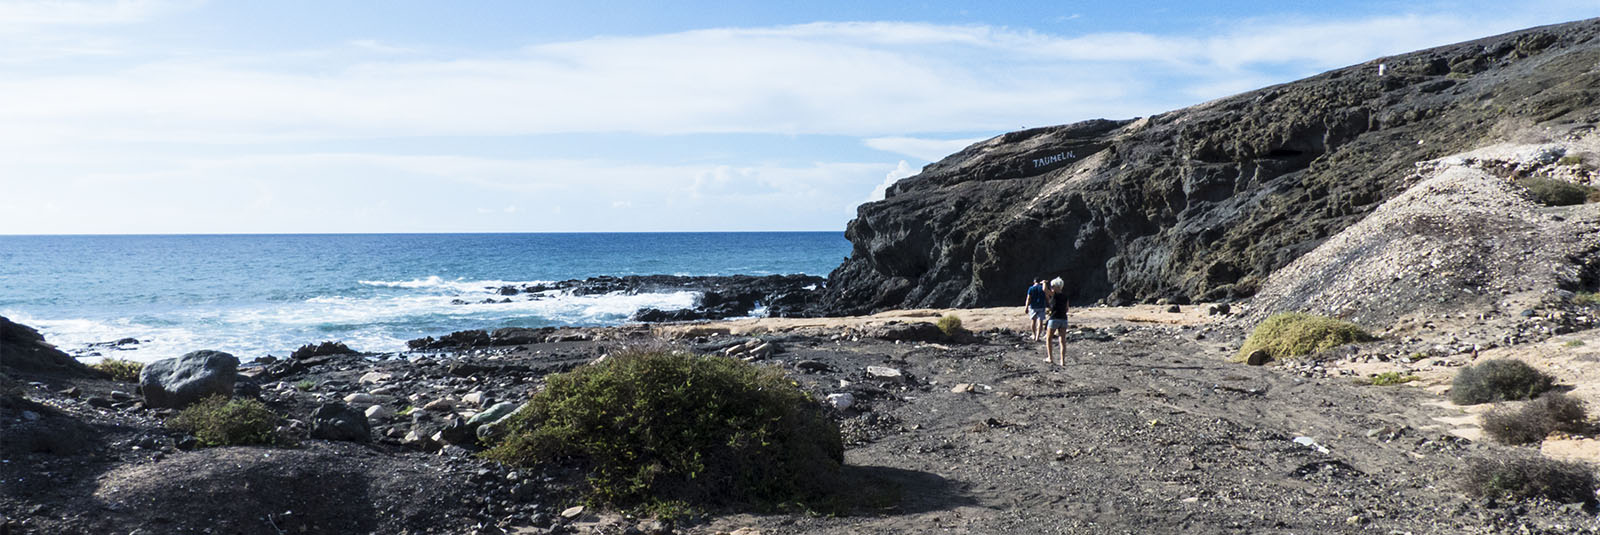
[894,491]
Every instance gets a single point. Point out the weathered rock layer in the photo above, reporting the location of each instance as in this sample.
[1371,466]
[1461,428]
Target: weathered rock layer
[1207,201]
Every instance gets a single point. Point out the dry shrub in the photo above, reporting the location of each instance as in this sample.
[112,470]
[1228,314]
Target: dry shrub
[126,371]
[950,325]
[1498,380]
[1293,334]
[1521,476]
[1552,192]
[1536,419]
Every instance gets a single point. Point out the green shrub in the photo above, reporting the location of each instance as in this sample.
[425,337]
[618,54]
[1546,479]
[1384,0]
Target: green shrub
[1536,419]
[305,385]
[661,431]
[1586,298]
[1523,476]
[950,325]
[1498,380]
[1570,159]
[1574,343]
[1292,334]
[1552,192]
[1392,378]
[218,421]
[126,371]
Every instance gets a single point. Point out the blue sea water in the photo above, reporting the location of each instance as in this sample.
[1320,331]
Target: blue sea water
[253,295]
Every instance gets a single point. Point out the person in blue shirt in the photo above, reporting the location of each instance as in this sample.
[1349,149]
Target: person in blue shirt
[1037,306]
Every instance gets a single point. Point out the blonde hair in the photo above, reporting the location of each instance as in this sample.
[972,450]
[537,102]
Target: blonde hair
[1057,283]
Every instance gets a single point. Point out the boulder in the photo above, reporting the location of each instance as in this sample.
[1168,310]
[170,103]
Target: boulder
[492,422]
[909,332]
[177,382]
[379,412]
[1259,357]
[23,349]
[337,421]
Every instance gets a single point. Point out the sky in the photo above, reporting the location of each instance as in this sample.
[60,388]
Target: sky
[290,116]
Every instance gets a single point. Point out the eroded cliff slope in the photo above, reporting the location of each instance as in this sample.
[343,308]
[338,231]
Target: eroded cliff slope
[1206,202]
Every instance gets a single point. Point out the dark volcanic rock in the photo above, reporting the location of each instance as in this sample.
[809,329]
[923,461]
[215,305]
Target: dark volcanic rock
[337,421]
[23,349]
[177,382]
[325,348]
[1204,202]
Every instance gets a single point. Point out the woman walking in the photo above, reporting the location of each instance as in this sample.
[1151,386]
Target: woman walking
[1056,326]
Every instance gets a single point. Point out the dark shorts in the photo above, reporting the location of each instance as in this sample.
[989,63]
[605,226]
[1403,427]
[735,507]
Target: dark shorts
[1058,325]
[1039,314]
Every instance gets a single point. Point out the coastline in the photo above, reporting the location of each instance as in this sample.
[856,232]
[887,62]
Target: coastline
[1147,428]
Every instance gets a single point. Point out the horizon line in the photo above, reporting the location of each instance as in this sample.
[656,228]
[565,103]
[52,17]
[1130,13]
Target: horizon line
[439,233]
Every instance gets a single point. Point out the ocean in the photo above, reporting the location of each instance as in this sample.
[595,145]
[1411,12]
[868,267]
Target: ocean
[255,295]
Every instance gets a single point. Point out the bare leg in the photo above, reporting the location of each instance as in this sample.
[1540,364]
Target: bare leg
[1049,349]
[1063,335]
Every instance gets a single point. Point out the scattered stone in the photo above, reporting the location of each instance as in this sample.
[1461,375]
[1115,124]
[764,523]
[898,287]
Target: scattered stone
[572,512]
[961,388]
[841,401]
[475,399]
[1174,309]
[379,412]
[1258,357]
[440,405]
[884,372]
[178,382]
[360,398]
[375,377]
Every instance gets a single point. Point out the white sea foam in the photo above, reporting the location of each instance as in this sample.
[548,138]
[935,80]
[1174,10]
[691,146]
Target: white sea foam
[379,323]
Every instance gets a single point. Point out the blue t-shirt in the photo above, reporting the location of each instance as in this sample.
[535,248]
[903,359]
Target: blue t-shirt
[1036,297]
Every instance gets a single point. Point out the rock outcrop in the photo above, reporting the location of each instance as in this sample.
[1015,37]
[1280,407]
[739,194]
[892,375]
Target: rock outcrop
[24,350]
[1205,202]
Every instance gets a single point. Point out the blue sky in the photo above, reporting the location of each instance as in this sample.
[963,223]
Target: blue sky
[188,116]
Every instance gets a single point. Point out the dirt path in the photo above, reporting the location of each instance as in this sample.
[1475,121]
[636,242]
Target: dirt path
[1150,432]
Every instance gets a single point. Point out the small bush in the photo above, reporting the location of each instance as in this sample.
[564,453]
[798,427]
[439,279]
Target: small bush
[1574,343]
[1525,476]
[218,421]
[1570,159]
[660,431]
[126,371]
[950,325]
[1498,380]
[1552,192]
[305,385]
[1392,378]
[1586,298]
[1536,419]
[1292,334]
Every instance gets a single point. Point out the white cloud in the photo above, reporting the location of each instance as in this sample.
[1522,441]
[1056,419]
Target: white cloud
[858,79]
[900,171]
[365,192]
[931,150]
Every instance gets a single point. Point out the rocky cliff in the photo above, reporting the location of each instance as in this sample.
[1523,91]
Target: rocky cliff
[1205,202]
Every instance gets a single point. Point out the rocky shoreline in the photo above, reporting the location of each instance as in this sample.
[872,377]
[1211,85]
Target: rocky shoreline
[1147,429]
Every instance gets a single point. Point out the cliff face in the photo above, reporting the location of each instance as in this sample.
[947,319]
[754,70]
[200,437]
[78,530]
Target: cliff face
[1203,202]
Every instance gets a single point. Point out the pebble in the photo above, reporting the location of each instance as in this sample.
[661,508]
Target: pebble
[961,388]
[572,512]
[378,412]
[475,398]
[884,372]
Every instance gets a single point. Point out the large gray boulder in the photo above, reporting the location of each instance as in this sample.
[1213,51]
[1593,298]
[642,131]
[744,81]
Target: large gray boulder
[180,381]
[337,421]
